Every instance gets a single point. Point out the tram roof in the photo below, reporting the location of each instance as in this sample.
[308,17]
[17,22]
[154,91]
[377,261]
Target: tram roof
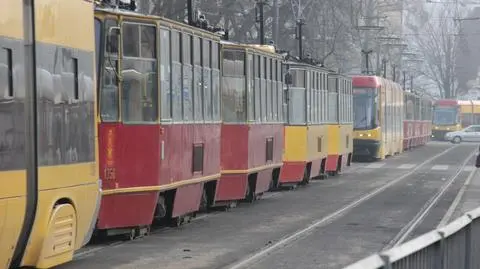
[154,18]
[298,63]
[268,49]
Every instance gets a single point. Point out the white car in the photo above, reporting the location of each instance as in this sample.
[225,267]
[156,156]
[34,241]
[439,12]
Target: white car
[469,134]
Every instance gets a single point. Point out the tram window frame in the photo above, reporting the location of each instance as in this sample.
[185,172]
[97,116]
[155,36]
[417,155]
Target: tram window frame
[268,88]
[216,76]
[145,109]
[256,90]
[197,79]
[176,76]
[233,78]
[297,97]
[109,88]
[273,70]
[207,79]
[263,90]
[187,78]
[250,87]
[165,76]
[279,81]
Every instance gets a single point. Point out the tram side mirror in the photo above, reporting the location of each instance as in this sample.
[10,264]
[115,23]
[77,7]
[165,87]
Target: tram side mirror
[288,79]
[112,39]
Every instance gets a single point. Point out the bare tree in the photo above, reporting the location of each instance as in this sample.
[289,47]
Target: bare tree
[435,39]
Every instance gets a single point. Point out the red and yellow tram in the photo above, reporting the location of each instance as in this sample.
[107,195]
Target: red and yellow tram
[340,123]
[306,141]
[417,120]
[252,129]
[159,124]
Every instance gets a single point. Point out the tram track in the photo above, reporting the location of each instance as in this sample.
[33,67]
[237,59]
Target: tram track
[257,256]
[408,229]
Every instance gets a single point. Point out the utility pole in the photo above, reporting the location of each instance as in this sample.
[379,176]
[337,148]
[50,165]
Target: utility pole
[260,19]
[276,15]
[367,53]
[190,11]
[300,24]
[368,27]
[394,71]
[404,79]
[384,64]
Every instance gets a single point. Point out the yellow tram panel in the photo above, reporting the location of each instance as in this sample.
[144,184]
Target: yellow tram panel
[295,143]
[46,248]
[305,143]
[317,138]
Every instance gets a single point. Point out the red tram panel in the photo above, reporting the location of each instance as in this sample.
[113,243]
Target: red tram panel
[155,169]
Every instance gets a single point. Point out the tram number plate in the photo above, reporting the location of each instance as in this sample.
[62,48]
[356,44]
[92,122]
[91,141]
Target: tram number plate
[110,173]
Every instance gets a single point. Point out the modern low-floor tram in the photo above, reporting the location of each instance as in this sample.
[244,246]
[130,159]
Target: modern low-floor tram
[49,185]
[378,123]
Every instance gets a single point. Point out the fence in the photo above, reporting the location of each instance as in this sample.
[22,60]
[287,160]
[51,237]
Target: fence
[454,246]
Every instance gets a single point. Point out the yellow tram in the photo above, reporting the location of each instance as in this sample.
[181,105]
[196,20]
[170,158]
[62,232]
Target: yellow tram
[378,123]
[340,122]
[48,202]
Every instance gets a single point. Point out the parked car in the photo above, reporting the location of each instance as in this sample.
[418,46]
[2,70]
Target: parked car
[469,134]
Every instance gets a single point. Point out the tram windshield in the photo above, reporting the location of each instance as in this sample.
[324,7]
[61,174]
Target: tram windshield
[444,116]
[364,108]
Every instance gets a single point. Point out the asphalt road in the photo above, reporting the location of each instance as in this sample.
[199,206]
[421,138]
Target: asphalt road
[327,224]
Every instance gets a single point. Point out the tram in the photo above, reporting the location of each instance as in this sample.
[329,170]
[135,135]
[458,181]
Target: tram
[252,130]
[469,112]
[446,118]
[306,141]
[340,123]
[417,120]
[160,122]
[378,123]
[48,204]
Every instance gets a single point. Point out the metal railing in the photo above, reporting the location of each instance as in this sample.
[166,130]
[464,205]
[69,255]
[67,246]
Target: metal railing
[454,246]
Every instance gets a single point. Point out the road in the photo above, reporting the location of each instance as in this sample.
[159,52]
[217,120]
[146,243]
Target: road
[327,224]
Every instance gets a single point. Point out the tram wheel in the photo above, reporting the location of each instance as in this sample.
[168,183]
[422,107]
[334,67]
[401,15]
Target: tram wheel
[306,177]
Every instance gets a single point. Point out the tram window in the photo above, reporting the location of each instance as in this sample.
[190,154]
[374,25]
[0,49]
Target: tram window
[165,82]
[186,53]
[207,84]
[131,38]
[233,91]
[297,98]
[216,94]
[268,89]
[139,92]
[187,84]
[6,74]
[215,82]
[256,62]
[176,77]
[215,55]
[196,51]
[250,90]
[148,42]
[75,78]
[197,76]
